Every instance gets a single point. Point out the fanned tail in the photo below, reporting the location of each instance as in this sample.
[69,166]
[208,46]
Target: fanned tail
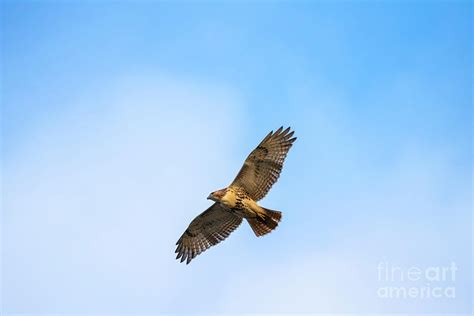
[264,223]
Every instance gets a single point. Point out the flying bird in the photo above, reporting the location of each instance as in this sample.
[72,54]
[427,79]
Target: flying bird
[239,200]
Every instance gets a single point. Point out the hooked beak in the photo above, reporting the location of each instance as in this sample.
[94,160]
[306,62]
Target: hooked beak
[209,197]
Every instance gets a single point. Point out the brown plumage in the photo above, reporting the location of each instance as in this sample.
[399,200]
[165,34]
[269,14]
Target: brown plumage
[260,171]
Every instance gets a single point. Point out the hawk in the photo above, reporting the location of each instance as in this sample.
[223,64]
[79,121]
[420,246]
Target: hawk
[260,171]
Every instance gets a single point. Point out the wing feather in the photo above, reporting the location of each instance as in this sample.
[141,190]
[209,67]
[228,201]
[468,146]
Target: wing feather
[263,166]
[206,230]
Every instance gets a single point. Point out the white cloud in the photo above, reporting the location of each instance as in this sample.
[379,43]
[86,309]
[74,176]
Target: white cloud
[95,205]
[404,220]
[95,202]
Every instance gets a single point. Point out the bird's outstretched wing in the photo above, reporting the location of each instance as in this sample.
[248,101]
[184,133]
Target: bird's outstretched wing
[206,230]
[262,167]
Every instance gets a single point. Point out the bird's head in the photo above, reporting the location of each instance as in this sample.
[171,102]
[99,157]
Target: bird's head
[216,196]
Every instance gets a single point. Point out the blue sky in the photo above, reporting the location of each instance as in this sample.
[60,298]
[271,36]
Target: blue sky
[118,119]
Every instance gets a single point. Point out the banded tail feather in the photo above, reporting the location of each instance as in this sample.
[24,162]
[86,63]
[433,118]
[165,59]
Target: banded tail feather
[265,223]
